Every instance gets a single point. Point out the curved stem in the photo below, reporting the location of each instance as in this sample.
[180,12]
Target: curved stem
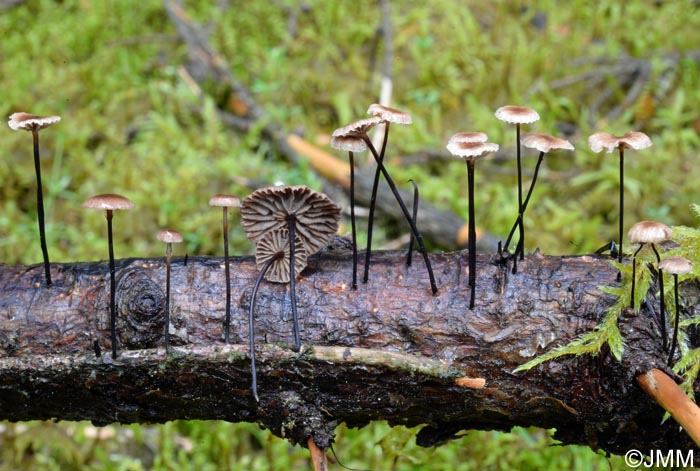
[525,203]
[634,274]
[112,286]
[472,233]
[227,320]
[292,286]
[352,220]
[662,320]
[373,202]
[399,200]
[674,342]
[411,242]
[168,254]
[40,207]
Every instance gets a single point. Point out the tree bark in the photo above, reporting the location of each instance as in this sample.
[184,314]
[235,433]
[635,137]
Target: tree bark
[388,351]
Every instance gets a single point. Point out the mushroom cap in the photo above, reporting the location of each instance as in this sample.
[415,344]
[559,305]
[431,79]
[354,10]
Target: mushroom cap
[467,137]
[227,201]
[357,128]
[108,202]
[676,265]
[649,232]
[270,208]
[29,122]
[169,236]
[544,142]
[272,243]
[631,140]
[389,115]
[349,143]
[517,114]
[471,150]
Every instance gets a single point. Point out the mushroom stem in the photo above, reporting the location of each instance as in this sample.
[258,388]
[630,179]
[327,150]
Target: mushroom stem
[411,242]
[352,220]
[674,341]
[662,320]
[622,203]
[227,269]
[634,274]
[292,286]
[521,242]
[472,233]
[168,254]
[373,200]
[251,321]
[40,206]
[399,200]
[112,285]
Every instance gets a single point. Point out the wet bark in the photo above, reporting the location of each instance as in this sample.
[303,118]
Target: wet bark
[389,350]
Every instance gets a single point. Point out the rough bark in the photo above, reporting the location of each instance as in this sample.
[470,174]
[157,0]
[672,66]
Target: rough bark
[389,350]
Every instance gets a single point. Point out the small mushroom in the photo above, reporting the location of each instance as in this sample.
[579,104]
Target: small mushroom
[652,233]
[470,151]
[170,237]
[226,201]
[29,122]
[518,115]
[632,140]
[110,203]
[675,266]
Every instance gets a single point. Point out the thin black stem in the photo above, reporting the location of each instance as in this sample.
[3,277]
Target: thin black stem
[674,342]
[521,242]
[622,202]
[411,242]
[291,223]
[472,233]
[662,319]
[227,269]
[399,200]
[525,203]
[352,220]
[251,321]
[634,274]
[112,286]
[40,207]
[168,254]
[373,203]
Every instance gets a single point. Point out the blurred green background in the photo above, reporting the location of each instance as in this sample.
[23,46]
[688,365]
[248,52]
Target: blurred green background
[132,124]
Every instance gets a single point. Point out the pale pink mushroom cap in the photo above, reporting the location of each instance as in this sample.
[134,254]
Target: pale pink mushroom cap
[226,201]
[108,202]
[649,232]
[389,115]
[467,137]
[349,143]
[471,150]
[544,142]
[632,140]
[169,236]
[28,122]
[676,265]
[517,114]
[357,128]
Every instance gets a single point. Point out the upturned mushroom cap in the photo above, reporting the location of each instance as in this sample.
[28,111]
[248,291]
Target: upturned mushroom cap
[544,142]
[108,202]
[649,232]
[169,236]
[272,243]
[471,150]
[227,201]
[676,265]
[632,140]
[468,137]
[357,128]
[349,143]
[267,209]
[517,114]
[389,115]
[28,122]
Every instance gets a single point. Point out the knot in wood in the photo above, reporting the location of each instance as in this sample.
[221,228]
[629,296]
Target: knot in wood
[140,310]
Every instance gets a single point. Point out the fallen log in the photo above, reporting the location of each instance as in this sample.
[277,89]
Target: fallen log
[388,351]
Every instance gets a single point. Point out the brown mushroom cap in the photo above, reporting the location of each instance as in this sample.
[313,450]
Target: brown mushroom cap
[517,114]
[349,143]
[468,137]
[471,150]
[108,202]
[358,128]
[544,142]
[649,232]
[28,122]
[316,215]
[169,236]
[389,115]
[676,265]
[272,243]
[631,140]
[227,201]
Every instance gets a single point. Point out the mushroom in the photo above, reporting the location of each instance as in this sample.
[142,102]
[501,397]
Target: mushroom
[303,212]
[675,266]
[273,257]
[359,129]
[518,115]
[170,237]
[110,203]
[470,151]
[650,232]
[543,143]
[632,140]
[352,145]
[226,201]
[29,122]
